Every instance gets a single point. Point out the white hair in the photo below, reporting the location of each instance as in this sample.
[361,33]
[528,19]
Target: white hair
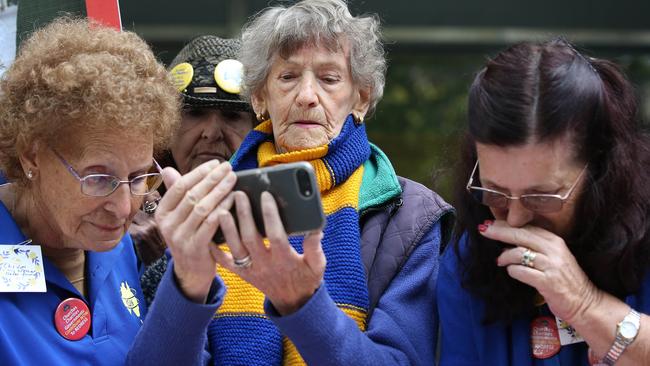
[283,30]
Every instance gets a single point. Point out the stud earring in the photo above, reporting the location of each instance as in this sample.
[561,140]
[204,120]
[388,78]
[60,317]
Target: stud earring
[261,117]
[358,118]
[30,174]
[150,207]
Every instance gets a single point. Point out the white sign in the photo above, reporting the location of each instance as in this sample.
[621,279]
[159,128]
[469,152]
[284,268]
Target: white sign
[21,269]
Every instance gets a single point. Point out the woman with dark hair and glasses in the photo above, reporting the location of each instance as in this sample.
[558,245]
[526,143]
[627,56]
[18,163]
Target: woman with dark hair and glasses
[82,110]
[551,252]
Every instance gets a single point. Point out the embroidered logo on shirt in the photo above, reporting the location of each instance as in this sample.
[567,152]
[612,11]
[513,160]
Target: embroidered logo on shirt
[129,300]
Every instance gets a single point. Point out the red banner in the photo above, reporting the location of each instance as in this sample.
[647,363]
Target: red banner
[106,12]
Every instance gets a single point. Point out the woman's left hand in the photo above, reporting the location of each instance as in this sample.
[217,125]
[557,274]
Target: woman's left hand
[287,278]
[554,271]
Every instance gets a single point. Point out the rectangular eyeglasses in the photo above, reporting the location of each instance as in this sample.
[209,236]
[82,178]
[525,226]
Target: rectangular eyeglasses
[537,202]
[101,185]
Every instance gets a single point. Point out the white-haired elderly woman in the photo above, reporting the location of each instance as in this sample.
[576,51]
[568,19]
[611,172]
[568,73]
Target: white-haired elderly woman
[361,292]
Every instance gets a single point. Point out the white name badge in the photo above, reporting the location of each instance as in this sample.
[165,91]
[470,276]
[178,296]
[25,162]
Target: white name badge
[568,334]
[21,269]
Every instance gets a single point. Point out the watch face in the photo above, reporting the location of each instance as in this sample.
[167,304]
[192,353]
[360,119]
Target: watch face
[628,330]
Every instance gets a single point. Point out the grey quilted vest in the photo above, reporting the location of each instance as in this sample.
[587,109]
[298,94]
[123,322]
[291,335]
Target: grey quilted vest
[391,232]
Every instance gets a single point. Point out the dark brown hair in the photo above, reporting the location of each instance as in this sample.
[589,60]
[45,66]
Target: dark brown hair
[539,92]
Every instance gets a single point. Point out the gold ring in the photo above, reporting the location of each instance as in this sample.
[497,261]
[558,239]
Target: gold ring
[243,262]
[528,258]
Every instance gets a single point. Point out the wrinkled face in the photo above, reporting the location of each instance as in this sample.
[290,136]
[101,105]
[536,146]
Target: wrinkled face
[308,97]
[73,218]
[207,134]
[533,168]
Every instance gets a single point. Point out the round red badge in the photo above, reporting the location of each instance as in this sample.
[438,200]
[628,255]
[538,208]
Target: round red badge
[544,337]
[72,319]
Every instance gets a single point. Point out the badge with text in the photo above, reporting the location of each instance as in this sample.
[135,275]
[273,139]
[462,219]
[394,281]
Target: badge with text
[21,269]
[544,337]
[182,75]
[229,74]
[72,319]
[568,334]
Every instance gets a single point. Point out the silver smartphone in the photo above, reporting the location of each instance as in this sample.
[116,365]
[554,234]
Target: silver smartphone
[295,191]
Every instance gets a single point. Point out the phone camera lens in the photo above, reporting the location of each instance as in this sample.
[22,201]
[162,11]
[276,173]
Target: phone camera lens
[304,183]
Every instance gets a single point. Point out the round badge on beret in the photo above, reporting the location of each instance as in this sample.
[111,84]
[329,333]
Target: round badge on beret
[72,319]
[229,74]
[182,75]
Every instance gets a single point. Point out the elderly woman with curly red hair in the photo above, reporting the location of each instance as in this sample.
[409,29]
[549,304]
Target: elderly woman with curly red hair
[82,110]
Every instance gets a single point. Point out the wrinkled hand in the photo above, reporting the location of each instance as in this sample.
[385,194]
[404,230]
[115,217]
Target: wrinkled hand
[287,278]
[555,273]
[187,218]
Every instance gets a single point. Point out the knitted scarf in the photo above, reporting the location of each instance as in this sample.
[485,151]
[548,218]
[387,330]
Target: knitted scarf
[240,332]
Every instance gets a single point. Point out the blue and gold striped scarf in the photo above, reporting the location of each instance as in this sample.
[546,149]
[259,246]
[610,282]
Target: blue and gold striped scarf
[241,333]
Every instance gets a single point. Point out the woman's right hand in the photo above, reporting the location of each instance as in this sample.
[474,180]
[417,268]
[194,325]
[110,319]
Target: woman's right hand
[187,218]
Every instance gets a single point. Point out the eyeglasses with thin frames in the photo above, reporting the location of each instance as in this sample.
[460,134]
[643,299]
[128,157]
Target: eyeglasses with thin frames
[537,202]
[101,185]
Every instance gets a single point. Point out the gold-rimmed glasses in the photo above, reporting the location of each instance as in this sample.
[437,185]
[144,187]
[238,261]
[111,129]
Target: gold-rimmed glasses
[537,202]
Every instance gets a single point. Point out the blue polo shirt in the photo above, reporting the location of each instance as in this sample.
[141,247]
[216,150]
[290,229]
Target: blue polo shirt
[27,331]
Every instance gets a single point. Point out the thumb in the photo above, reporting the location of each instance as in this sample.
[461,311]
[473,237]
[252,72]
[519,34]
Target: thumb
[313,252]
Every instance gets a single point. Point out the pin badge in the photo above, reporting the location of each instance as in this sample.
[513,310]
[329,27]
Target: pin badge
[182,75]
[544,337]
[72,319]
[229,74]
[568,334]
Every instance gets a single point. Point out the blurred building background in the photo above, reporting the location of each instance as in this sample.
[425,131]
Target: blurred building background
[434,48]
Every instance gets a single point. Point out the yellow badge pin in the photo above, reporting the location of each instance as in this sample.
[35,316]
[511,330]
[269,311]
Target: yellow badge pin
[229,74]
[182,75]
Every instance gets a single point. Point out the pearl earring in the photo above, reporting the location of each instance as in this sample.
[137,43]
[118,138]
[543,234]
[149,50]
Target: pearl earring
[30,174]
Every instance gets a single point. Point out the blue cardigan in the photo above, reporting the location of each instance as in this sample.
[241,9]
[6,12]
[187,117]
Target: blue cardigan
[467,341]
[403,326]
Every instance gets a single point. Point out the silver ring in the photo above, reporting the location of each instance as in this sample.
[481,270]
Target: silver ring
[528,258]
[243,262]
[150,207]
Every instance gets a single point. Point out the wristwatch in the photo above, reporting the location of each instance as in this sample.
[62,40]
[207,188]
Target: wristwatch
[626,332]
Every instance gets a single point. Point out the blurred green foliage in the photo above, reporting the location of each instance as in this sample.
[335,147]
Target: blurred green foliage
[420,121]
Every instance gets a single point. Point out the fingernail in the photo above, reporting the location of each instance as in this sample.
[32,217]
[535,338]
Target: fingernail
[482,228]
[488,222]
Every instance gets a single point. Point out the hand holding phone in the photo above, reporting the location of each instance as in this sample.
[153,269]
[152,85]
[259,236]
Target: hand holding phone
[295,190]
